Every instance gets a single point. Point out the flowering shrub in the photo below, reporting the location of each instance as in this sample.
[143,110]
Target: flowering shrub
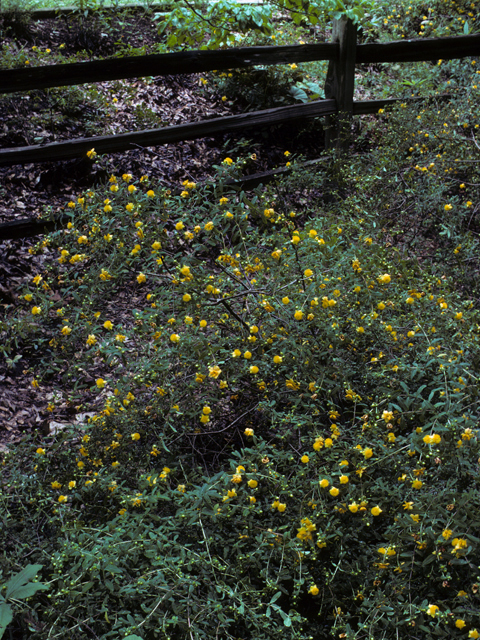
[285,431]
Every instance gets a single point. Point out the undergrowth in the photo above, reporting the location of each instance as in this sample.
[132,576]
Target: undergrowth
[283,440]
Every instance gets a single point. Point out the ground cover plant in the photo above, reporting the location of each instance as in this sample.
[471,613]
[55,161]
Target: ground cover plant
[279,397]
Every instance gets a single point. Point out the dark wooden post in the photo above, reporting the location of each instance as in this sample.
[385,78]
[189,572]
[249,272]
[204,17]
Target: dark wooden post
[340,84]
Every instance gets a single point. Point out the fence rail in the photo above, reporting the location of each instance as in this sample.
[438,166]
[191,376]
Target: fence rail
[343,54]
[59,75]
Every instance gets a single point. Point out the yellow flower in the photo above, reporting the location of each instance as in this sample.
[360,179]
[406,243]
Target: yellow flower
[474,634]
[66,331]
[223,200]
[214,371]
[135,436]
[248,432]
[108,325]
[344,479]
[209,226]
[252,484]
[353,507]
[179,226]
[254,369]
[448,207]
[368,453]
[417,484]
[62,499]
[324,483]
[247,355]
[385,279]
[36,311]
[285,300]
[72,484]
[100,383]
[141,278]
[460,623]
[298,315]
[308,273]
[334,491]
[432,610]
[459,543]
[376,511]
[281,507]
[277,359]
[175,337]
[40,451]
[237,353]
[292,384]
[314,590]
[186,297]
[305,459]
[56,485]
[204,419]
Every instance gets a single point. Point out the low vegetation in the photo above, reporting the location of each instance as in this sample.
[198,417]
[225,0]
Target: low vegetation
[280,397]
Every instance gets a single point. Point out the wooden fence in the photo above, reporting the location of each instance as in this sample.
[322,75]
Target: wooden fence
[343,54]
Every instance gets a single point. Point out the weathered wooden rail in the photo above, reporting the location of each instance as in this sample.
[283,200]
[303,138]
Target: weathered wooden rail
[343,54]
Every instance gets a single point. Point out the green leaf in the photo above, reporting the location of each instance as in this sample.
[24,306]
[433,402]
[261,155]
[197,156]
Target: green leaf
[6,617]
[113,569]
[28,590]
[19,581]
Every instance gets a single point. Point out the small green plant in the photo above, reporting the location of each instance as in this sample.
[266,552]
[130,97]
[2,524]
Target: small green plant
[15,17]
[227,23]
[19,587]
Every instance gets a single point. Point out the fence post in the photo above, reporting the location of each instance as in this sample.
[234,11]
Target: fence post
[340,84]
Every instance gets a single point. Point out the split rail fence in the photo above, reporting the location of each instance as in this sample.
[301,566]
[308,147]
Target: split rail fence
[343,54]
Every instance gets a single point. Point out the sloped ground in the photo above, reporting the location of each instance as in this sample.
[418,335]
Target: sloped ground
[109,107]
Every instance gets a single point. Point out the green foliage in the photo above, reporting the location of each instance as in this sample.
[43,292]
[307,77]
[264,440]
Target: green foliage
[15,17]
[217,24]
[283,392]
[19,587]
[281,378]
